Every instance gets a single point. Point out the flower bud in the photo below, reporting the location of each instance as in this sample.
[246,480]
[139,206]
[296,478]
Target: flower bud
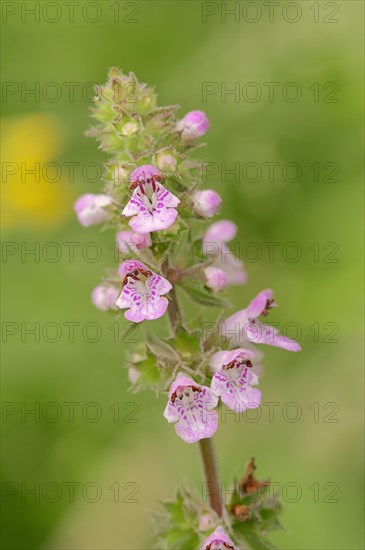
[241,512]
[120,175]
[166,162]
[129,241]
[207,521]
[206,203]
[133,375]
[89,209]
[216,279]
[193,125]
[130,128]
[219,232]
[104,297]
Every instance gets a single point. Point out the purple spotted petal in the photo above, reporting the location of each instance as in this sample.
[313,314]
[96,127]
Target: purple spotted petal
[153,211]
[232,380]
[142,297]
[191,406]
[218,540]
[234,389]
[129,265]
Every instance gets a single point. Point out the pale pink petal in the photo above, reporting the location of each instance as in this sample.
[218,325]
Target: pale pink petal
[141,292]
[221,358]
[233,378]
[258,304]
[147,223]
[90,209]
[143,172]
[158,285]
[219,232]
[191,406]
[154,209]
[258,333]
[129,265]
[218,540]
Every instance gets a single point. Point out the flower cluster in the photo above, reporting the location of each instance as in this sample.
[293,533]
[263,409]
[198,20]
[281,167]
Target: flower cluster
[152,200]
[192,405]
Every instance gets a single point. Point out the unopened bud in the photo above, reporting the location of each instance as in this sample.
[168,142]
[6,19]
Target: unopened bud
[216,279]
[166,162]
[194,125]
[206,203]
[90,209]
[104,297]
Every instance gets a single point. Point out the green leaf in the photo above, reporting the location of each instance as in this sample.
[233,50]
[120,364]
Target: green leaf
[150,374]
[255,540]
[163,351]
[202,296]
[185,342]
[178,522]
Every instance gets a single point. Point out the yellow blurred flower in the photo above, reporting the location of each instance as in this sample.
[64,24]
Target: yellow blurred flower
[29,196]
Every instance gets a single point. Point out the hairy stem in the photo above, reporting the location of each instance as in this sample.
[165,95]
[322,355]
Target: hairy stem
[173,309]
[211,474]
[205,445]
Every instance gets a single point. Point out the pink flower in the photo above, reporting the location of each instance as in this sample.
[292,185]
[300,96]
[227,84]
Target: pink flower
[191,406]
[233,379]
[216,279]
[133,375]
[206,203]
[194,125]
[214,241]
[218,541]
[141,292]
[166,162]
[207,521]
[104,297]
[245,326]
[130,241]
[151,205]
[90,209]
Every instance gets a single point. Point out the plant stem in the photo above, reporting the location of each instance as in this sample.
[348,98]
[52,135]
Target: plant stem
[205,445]
[173,309]
[211,474]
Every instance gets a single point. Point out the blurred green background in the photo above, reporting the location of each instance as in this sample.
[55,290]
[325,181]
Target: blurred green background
[169,45]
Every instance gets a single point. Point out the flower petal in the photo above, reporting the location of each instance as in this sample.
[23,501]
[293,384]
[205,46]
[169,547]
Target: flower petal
[157,221]
[191,406]
[258,333]
[151,214]
[234,388]
[258,304]
[219,232]
[217,540]
[142,293]
[221,358]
